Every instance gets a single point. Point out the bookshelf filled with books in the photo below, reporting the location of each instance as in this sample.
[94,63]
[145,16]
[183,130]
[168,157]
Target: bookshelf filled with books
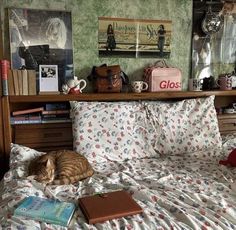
[49,113]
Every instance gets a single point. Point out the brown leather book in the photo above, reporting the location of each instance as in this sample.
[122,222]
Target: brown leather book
[107,206]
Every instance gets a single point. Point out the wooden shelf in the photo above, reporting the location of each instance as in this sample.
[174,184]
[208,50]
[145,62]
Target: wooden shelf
[118,96]
[227,116]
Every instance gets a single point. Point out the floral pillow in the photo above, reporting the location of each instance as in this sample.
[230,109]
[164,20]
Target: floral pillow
[124,130]
[20,157]
[20,153]
[185,126]
[111,130]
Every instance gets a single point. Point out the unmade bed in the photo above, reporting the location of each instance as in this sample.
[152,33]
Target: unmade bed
[165,154]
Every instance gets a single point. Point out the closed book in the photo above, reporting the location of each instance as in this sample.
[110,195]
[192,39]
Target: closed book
[17,122]
[56,112]
[16,82]
[5,66]
[46,210]
[56,106]
[26,111]
[11,89]
[20,81]
[107,206]
[31,82]
[56,115]
[32,116]
[56,120]
[24,82]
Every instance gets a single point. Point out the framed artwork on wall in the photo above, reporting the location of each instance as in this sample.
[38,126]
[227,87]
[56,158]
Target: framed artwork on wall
[124,37]
[41,37]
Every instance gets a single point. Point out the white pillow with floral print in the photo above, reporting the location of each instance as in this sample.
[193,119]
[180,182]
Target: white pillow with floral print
[20,153]
[110,130]
[184,126]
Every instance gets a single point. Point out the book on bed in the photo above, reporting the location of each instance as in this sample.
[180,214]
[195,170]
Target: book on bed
[106,206]
[46,210]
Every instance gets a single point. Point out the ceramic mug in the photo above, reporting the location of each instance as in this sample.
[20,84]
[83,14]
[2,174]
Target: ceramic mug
[195,84]
[225,82]
[139,86]
[74,86]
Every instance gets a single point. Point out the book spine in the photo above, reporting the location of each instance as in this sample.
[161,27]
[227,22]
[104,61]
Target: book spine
[24,81]
[39,218]
[19,112]
[17,122]
[56,112]
[55,106]
[57,121]
[5,66]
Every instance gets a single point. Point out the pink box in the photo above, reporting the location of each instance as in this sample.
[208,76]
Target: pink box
[165,79]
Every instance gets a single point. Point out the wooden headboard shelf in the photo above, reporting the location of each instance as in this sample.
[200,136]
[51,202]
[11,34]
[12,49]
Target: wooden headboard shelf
[46,137]
[119,96]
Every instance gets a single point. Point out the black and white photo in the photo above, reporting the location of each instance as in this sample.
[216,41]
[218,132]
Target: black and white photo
[48,78]
[41,37]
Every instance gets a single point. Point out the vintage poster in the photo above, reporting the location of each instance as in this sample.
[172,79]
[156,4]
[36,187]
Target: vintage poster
[41,37]
[124,37]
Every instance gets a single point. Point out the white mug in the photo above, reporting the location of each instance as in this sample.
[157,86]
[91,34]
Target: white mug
[139,86]
[74,86]
[195,84]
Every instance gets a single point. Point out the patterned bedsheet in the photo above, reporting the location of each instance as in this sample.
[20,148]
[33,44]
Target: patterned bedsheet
[185,191]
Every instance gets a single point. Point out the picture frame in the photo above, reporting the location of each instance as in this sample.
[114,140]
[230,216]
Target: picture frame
[48,79]
[41,37]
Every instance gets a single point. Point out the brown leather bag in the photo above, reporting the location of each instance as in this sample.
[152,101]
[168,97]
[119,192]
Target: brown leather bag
[108,79]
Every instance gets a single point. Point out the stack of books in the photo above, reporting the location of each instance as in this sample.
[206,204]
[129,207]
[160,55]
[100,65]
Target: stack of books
[50,113]
[56,113]
[27,116]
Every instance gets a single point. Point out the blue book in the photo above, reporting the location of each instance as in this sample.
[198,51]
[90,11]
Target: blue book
[46,210]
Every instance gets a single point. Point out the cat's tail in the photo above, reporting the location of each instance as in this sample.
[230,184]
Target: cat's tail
[73,179]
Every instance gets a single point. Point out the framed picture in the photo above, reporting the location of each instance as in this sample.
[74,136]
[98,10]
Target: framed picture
[48,78]
[124,37]
[41,37]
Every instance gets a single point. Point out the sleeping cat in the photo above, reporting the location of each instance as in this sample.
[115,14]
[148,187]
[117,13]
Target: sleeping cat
[60,167]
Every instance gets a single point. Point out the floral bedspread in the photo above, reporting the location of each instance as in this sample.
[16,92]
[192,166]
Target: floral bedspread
[185,191]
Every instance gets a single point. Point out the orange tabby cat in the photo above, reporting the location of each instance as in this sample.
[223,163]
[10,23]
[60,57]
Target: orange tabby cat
[60,167]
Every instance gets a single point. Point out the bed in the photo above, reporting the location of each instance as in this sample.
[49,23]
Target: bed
[165,154]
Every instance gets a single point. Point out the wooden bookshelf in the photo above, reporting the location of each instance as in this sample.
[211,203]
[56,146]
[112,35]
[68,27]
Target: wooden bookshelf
[119,96]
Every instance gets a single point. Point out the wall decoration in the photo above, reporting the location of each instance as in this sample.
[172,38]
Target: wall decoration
[134,37]
[213,39]
[41,37]
[48,78]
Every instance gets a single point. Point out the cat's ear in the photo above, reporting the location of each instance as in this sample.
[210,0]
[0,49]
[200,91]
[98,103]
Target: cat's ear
[48,163]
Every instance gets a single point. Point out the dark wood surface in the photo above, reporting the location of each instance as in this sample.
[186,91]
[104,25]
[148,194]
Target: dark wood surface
[119,96]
